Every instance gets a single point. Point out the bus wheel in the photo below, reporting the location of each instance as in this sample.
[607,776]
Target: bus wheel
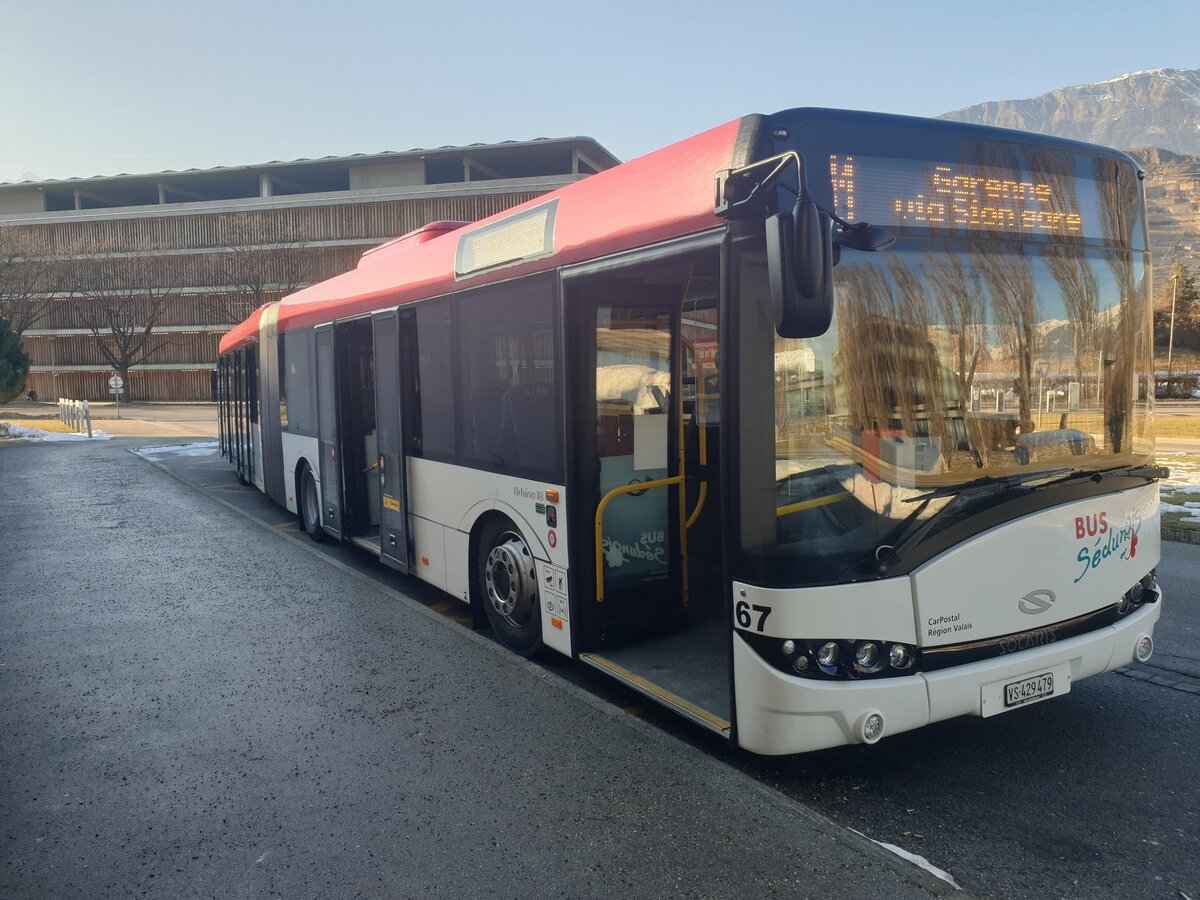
[507,582]
[310,507]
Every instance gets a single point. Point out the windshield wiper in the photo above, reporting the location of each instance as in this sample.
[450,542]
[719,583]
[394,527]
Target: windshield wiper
[959,493]
[989,484]
[1151,473]
[974,486]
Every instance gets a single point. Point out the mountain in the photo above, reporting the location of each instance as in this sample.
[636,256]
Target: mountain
[1155,116]
[1155,107]
[1173,208]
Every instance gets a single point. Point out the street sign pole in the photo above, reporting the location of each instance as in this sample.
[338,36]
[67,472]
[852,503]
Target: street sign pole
[115,384]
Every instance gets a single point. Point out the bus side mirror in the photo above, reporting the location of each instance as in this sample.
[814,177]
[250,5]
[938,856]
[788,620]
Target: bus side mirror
[800,270]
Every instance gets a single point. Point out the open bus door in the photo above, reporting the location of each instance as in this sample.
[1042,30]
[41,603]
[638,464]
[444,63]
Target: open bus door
[390,389]
[327,432]
[644,630]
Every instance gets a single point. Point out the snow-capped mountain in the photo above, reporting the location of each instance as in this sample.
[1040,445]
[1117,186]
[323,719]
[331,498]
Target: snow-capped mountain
[1154,107]
[1155,116]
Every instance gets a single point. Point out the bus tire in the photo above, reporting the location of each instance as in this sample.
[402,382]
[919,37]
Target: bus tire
[310,507]
[506,581]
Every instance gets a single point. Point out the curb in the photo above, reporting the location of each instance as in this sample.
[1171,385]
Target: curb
[1181,535]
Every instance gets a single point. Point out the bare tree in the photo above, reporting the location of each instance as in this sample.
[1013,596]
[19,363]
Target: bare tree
[121,299]
[1127,343]
[959,297]
[27,281]
[958,292]
[1015,309]
[1067,258]
[257,262]
[885,321]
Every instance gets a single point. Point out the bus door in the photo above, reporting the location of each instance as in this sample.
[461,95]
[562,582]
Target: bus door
[633,431]
[648,625]
[327,432]
[389,423]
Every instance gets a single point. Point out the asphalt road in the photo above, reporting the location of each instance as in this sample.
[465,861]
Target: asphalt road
[194,706]
[1092,795]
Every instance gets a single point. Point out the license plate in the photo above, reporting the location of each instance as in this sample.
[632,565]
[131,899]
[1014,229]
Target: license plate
[1020,690]
[1027,690]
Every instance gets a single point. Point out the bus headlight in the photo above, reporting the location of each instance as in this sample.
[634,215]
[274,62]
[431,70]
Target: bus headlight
[823,658]
[1145,591]
[866,657]
[900,656]
[829,654]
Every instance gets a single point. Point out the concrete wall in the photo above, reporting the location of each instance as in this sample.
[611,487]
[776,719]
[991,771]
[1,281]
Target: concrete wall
[399,174]
[13,202]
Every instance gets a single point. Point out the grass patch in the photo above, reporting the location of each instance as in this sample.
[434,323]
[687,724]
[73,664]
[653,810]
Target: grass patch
[1181,489]
[1177,427]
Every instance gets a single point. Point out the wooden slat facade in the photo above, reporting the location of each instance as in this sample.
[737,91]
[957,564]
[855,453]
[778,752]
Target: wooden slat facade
[191,255]
[170,385]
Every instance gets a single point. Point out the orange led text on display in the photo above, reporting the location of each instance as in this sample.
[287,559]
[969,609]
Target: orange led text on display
[946,196]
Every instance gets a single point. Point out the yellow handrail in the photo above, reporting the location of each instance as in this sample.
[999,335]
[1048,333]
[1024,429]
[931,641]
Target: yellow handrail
[700,498]
[604,501]
[701,398]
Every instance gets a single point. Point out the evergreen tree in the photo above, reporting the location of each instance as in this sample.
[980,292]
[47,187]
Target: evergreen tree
[14,364]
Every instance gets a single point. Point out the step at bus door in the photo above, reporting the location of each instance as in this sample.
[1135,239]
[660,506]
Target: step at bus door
[389,425]
[327,432]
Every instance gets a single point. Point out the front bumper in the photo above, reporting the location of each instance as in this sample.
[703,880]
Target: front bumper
[779,714]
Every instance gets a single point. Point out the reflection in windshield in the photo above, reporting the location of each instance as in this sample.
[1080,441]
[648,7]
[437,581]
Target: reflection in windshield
[948,361]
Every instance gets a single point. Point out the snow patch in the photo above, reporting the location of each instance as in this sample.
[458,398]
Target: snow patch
[207,448]
[36,434]
[918,861]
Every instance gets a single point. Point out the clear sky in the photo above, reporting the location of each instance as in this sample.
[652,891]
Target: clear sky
[98,88]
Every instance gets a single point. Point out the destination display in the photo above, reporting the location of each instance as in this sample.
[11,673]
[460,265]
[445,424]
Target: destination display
[961,197]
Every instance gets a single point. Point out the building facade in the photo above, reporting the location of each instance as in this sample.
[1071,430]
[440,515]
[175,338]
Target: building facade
[190,254]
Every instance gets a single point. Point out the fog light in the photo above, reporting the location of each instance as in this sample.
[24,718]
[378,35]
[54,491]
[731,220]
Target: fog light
[789,647]
[900,656]
[800,663]
[870,727]
[867,655]
[1143,649]
[828,654]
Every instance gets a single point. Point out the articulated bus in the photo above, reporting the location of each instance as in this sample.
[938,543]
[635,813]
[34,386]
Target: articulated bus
[816,427]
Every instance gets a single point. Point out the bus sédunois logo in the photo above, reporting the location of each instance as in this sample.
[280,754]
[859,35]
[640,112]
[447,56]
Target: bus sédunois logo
[1036,601]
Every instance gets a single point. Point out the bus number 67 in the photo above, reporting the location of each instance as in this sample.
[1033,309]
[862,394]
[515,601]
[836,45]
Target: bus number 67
[741,611]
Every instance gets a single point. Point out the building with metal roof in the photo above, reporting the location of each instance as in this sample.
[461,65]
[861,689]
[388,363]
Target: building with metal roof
[196,250]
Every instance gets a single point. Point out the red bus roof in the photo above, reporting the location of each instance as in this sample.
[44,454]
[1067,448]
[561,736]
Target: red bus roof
[245,332]
[665,194]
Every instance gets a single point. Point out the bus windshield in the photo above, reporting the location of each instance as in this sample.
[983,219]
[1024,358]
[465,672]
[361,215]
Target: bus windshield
[948,361]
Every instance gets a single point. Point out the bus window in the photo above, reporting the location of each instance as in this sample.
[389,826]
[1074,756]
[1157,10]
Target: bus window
[509,410]
[435,383]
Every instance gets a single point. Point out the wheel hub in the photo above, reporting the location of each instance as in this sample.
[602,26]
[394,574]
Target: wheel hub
[510,581]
